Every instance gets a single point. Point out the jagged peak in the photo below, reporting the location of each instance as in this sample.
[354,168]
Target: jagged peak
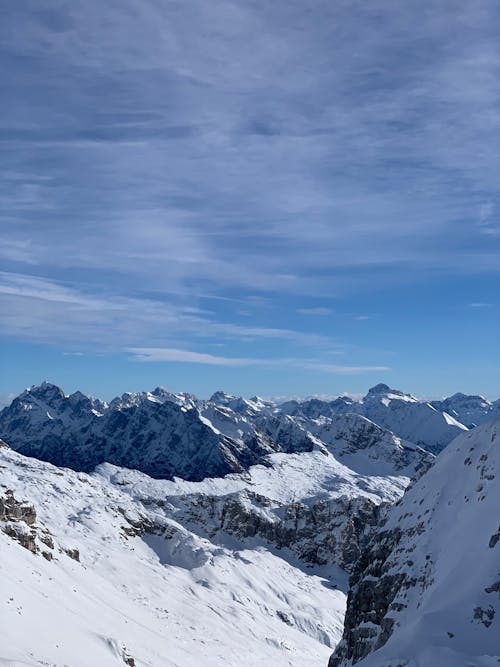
[44,390]
[383,390]
[78,396]
[221,396]
[160,391]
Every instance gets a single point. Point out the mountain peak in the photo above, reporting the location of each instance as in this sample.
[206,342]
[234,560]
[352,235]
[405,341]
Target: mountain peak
[383,391]
[45,390]
[381,388]
[460,396]
[160,391]
[221,397]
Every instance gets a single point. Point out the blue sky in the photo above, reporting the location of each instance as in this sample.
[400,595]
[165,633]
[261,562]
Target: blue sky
[283,198]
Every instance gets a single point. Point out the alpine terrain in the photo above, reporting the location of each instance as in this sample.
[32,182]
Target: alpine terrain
[160,529]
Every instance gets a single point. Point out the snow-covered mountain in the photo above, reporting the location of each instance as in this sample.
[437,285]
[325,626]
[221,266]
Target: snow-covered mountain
[227,529]
[159,433]
[403,414]
[167,435]
[427,589]
[118,568]
[469,410]
[410,418]
[366,447]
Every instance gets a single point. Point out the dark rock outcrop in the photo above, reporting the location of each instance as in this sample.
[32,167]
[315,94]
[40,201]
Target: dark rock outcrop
[324,532]
[17,520]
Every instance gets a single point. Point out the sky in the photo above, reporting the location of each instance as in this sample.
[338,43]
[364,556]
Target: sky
[275,198]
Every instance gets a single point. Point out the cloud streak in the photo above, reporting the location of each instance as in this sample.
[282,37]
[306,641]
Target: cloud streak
[41,309]
[203,156]
[159,355]
[162,354]
[318,310]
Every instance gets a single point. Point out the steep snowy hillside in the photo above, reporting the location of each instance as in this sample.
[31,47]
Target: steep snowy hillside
[427,589]
[166,435]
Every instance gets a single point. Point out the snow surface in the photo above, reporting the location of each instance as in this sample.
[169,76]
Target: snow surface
[163,602]
[308,477]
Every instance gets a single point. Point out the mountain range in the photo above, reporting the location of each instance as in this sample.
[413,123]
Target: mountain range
[160,529]
[165,434]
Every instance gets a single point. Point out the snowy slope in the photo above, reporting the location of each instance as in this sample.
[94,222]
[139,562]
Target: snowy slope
[427,590]
[308,503]
[146,588]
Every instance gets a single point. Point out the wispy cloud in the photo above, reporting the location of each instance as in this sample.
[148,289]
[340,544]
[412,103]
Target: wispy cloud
[480,304]
[154,354]
[203,157]
[318,310]
[186,356]
[41,309]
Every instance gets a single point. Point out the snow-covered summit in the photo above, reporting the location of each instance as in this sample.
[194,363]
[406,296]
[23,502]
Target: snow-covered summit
[382,392]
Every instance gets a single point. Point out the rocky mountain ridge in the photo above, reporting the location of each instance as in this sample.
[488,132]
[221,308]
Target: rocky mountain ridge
[167,435]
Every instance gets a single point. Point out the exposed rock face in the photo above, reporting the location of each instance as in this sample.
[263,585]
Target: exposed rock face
[325,532]
[17,519]
[428,582]
[12,509]
[373,588]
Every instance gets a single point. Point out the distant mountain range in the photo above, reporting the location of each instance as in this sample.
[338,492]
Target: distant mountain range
[166,434]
